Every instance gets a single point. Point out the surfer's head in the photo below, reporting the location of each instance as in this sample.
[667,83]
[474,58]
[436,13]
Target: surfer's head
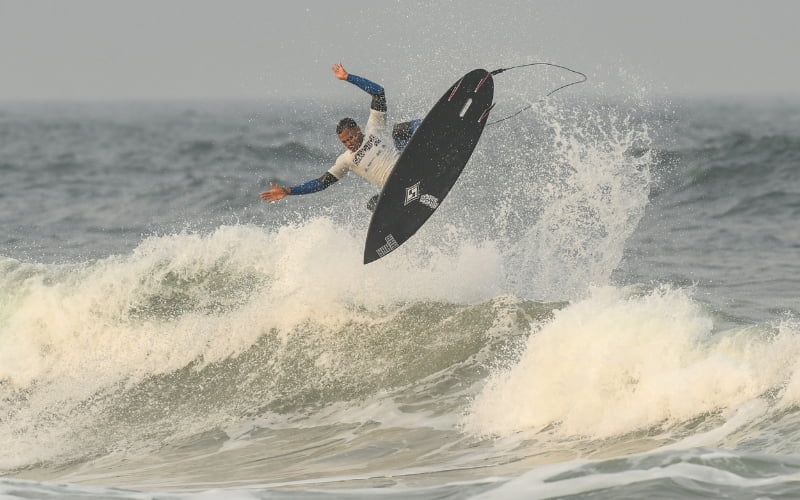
[350,134]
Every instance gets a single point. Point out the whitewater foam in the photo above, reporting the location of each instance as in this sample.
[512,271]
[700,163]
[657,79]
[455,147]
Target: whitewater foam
[620,361]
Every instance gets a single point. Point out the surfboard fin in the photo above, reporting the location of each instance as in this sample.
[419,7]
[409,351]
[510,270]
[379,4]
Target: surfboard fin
[485,114]
[480,84]
[455,89]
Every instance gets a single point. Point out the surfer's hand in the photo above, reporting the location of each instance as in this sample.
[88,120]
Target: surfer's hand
[275,194]
[339,71]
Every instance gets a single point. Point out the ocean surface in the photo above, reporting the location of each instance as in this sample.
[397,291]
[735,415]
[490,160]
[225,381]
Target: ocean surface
[605,306]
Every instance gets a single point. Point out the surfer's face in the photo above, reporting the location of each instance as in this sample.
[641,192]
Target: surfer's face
[351,138]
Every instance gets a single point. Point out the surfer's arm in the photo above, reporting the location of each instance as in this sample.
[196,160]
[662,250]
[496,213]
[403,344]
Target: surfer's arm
[368,86]
[371,88]
[312,186]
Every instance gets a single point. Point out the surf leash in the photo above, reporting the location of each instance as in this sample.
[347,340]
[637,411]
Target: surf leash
[501,70]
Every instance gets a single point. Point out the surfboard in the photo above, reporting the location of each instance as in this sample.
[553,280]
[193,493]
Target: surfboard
[430,164]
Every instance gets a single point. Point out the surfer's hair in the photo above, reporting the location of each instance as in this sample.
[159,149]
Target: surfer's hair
[345,123]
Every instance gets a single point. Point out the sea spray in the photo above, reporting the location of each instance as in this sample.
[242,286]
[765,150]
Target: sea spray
[572,206]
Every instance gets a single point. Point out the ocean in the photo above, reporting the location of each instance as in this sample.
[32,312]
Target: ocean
[605,306]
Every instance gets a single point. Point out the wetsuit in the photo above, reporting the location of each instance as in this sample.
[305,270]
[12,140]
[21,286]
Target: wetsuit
[378,153]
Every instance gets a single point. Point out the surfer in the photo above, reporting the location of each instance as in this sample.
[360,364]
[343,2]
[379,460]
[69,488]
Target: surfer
[369,153]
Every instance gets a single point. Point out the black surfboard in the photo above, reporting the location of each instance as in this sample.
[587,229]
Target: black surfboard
[430,164]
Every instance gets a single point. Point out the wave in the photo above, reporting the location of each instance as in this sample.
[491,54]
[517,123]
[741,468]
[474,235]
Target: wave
[192,331]
[724,162]
[626,360]
[239,322]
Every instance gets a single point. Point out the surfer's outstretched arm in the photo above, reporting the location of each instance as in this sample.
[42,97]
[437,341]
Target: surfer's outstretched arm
[378,104]
[312,186]
[370,87]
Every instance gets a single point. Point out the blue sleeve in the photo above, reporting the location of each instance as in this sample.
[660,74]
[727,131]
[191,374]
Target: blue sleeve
[372,88]
[309,187]
[367,86]
[314,185]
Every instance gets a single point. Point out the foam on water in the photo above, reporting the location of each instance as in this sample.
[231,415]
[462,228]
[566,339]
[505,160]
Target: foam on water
[619,361]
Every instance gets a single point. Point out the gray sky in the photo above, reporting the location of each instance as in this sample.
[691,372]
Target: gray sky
[140,49]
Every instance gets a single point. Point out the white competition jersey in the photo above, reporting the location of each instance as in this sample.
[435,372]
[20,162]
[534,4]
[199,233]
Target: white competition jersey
[376,157]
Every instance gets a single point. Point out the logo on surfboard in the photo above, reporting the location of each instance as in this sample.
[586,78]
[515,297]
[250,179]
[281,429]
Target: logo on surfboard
[412,193]
[390,245]
[429,201]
